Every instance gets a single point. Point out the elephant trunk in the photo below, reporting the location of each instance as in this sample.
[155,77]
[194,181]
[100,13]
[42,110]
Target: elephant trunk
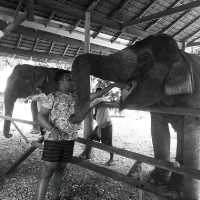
[9,102]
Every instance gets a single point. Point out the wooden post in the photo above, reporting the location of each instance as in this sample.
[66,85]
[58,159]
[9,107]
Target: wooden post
[183,45]
[88,119]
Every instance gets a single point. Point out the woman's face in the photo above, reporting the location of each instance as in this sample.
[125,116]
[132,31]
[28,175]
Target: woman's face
[66,84]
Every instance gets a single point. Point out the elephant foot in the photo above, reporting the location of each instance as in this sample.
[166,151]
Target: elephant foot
[175,183]
[7,135]
[35,130]
[159,177]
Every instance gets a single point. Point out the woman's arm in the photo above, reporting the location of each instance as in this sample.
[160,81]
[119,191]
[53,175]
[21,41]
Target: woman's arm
[43,118]
[107,89]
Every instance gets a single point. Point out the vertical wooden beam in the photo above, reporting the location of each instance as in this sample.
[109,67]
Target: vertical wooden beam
[36,43]
[66,48]
[88,119]
[19,5]
[89,8]
[30,9]
[51,47]
[19,41]
[183,45]
[87,32]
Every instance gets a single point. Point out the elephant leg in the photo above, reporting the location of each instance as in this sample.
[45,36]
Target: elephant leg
[191,187]
[34,111]
[161,145]
[176,180]
[9,106]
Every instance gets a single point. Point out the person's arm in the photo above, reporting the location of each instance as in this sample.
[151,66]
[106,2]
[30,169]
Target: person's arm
[43,118]
[107,89]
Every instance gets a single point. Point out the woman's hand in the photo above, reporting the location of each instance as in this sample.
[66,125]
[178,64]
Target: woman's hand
[55,133]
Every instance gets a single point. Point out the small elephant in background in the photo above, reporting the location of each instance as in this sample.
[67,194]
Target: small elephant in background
[24,81]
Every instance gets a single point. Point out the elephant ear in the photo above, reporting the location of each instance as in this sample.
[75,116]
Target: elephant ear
[180,78]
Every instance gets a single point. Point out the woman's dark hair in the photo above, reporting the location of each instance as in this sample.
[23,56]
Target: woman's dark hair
[60,74]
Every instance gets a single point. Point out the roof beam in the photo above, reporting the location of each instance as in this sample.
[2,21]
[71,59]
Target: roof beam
[53,14]
[35,54]
[163,13]
[116,10]
[193,40]
[119,8]
[97,18]
[192,44]
[190,35]
[89,8]
[186,26]
[176,20]
[53,37]
[157,20]
[143,11]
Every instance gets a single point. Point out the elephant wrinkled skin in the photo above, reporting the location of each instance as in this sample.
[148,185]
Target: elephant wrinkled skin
[24,81]
[165,76]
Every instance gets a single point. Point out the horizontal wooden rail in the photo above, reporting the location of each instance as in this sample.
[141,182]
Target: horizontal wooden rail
[17,120]
[157,109]
[121,177]
[142,158]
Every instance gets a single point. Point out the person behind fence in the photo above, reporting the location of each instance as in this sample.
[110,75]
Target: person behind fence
[59,134]
[103,130]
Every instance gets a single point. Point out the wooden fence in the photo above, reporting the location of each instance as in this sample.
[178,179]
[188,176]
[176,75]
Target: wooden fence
[125,153]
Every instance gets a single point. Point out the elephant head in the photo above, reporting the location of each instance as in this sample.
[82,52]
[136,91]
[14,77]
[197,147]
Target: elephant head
[24,81]
[155,64]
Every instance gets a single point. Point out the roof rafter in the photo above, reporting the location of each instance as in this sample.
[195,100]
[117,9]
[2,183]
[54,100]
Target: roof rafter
[193,44]
[143,11]
[176,20]
[157,20]
[190,35]
[89,8]
[53,37]
[193,40]
[186,26]
[51,16]
[97,18]
[163,13]
[41,55]
[116,10]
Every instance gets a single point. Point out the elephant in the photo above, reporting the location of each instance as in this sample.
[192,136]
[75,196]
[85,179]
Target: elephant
[24,81]
[165,75]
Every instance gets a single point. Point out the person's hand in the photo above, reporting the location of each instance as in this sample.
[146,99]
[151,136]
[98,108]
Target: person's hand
[55,133]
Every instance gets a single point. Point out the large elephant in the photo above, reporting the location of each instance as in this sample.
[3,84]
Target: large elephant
[24,81]
[164,75]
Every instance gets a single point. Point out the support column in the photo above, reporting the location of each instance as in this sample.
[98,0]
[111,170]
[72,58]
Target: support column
[88,119]
[183,45]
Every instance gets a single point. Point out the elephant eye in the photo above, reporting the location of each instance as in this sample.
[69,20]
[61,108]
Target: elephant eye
[145,63]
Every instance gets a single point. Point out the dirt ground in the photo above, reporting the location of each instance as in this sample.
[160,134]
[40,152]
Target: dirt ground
[131,131]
